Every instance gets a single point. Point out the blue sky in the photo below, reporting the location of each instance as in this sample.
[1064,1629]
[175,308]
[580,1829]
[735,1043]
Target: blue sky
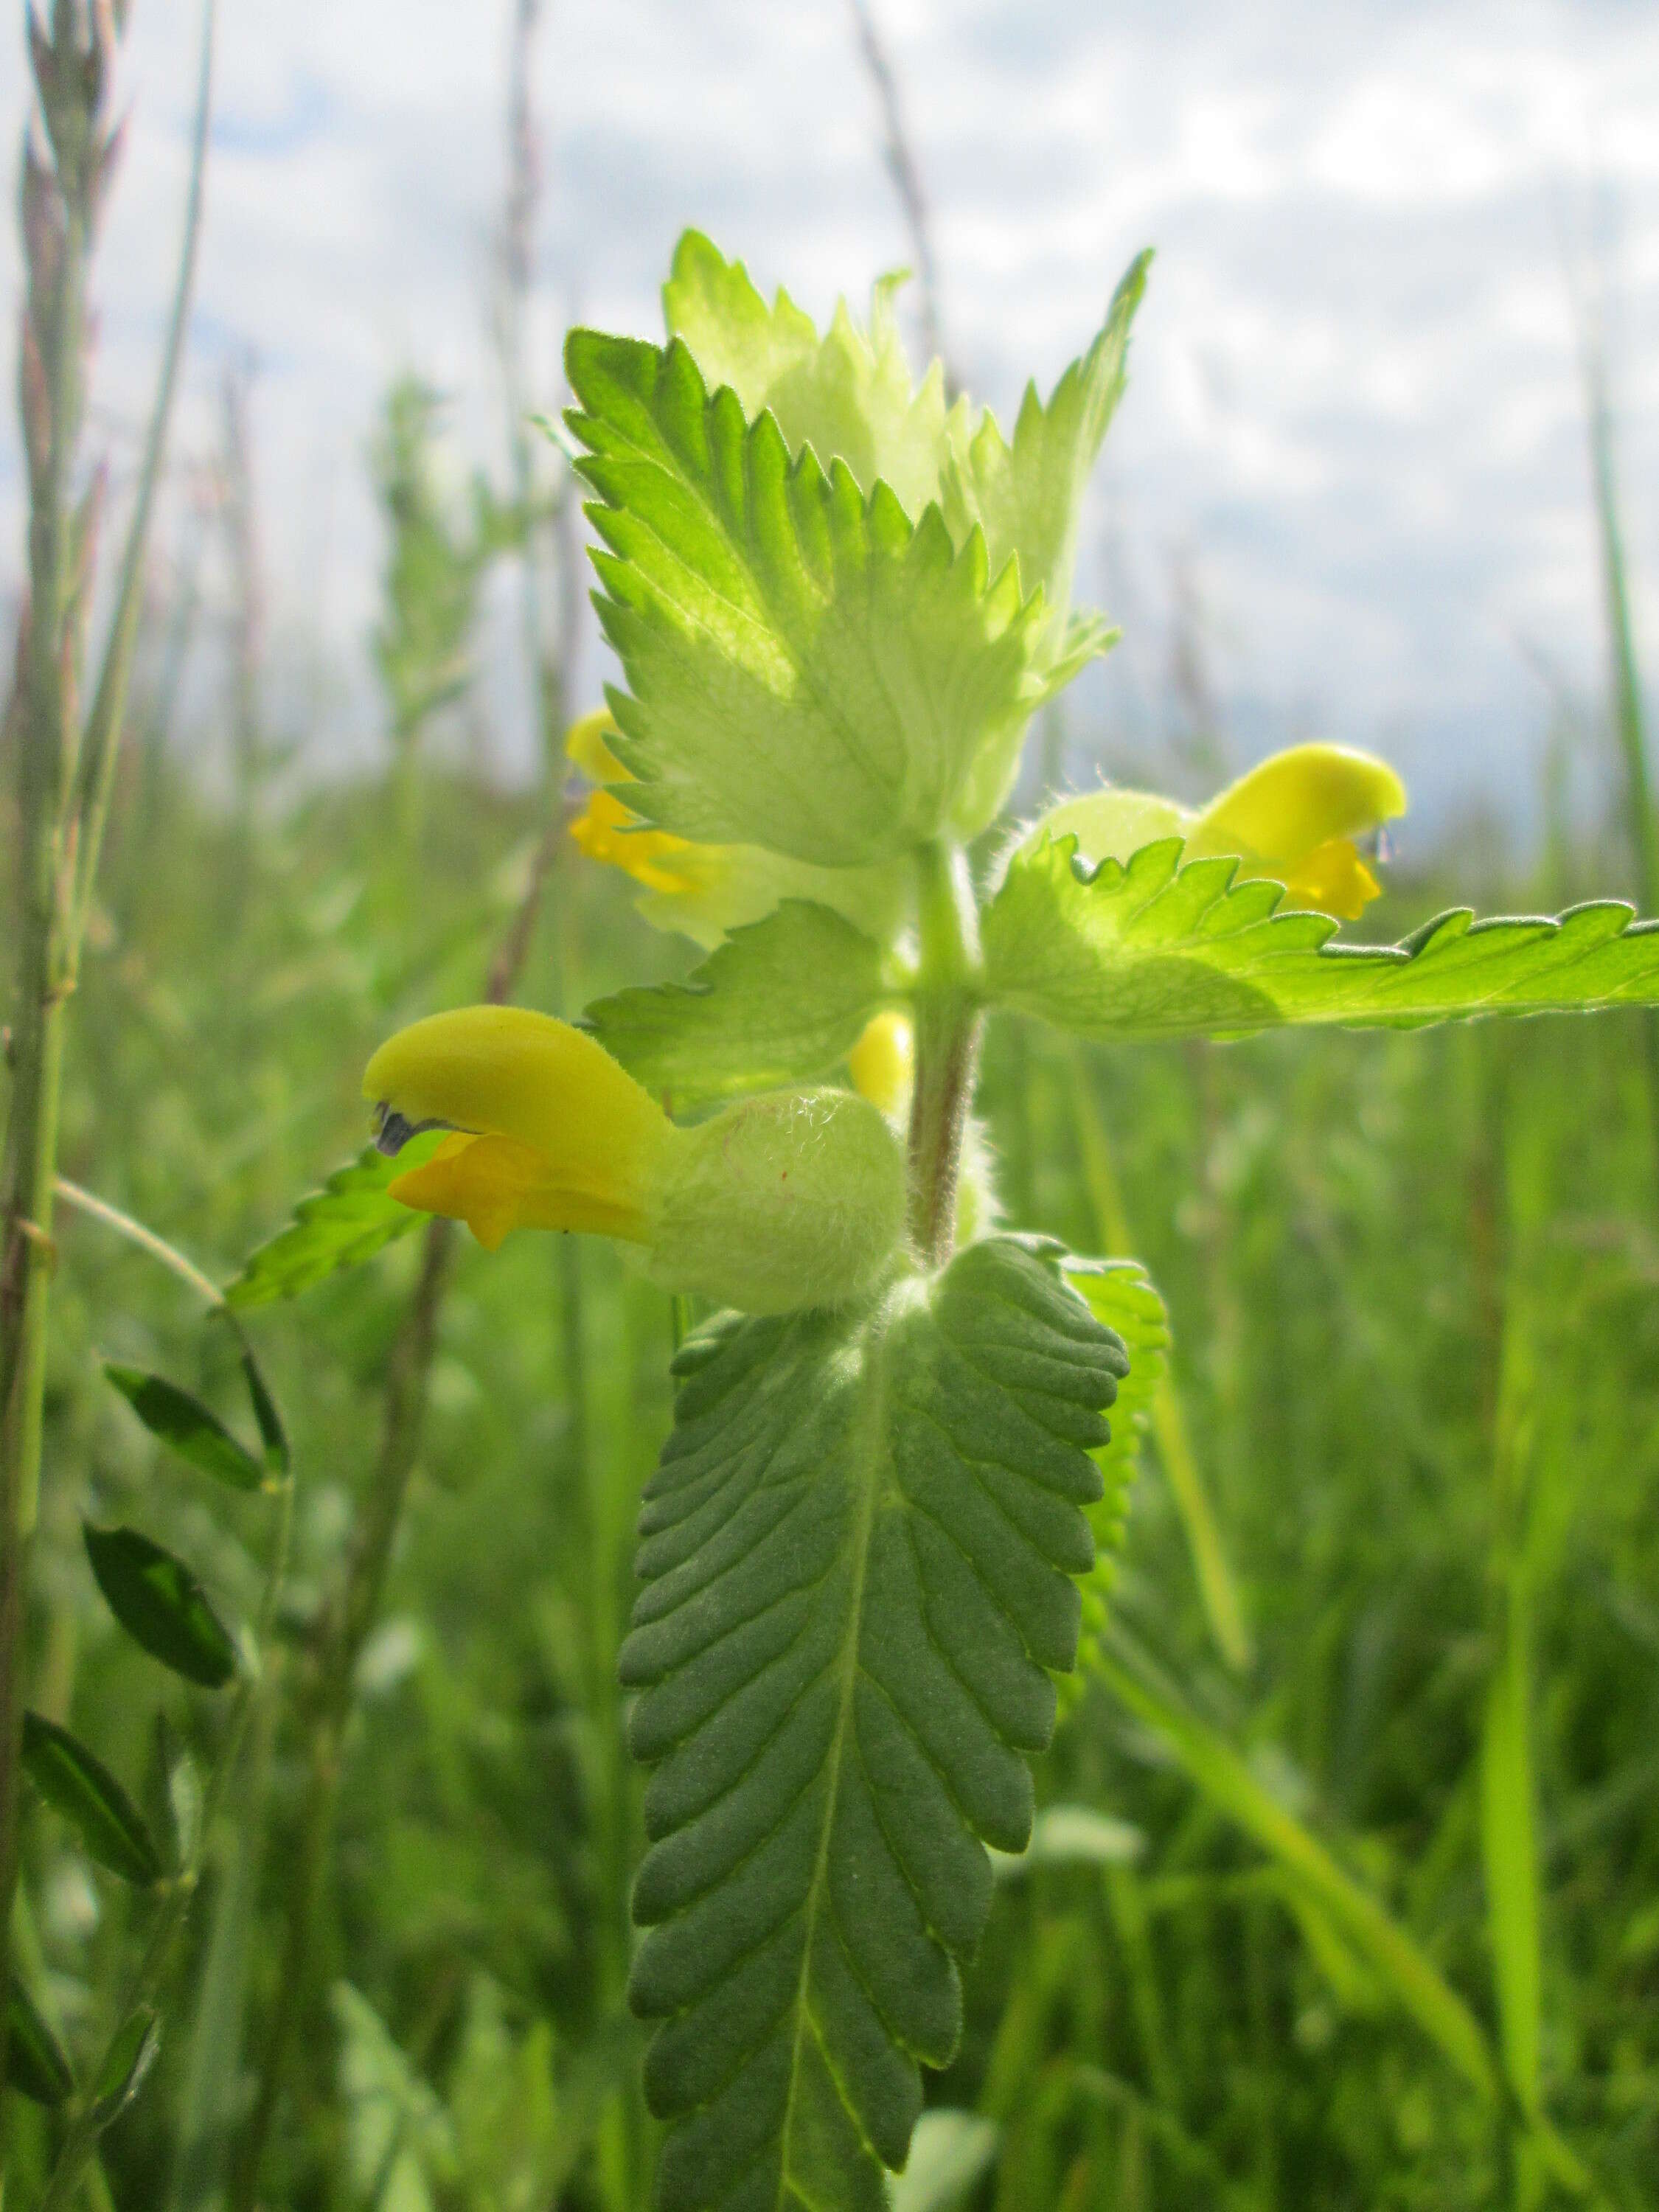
[1355,424]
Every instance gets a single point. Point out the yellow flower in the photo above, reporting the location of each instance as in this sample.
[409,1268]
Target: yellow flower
[1294,819]
[882,1064]
[552,1133]
[792,1198]
[706,891]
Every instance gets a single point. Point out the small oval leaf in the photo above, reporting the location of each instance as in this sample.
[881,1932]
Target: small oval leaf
[272,1434]
[161,1606]
[128,2059]
[81,1787]
[37,2067]
[185,1426]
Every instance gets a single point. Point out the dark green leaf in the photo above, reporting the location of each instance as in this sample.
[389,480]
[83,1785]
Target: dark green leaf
[185,1426]
[858,1554]
[781,1001]
[36,2064]
[345,1222]
[272,1434]
[161,1606]
[1153,948]
[82,1788]
[128,2059]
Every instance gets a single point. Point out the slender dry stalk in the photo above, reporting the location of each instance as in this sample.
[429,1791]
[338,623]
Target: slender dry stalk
[906,174]
[65,763]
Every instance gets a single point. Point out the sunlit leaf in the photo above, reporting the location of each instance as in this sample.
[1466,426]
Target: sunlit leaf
[859,1554]
[781,1001]
[344,1224]
[1153,948]
[808,669]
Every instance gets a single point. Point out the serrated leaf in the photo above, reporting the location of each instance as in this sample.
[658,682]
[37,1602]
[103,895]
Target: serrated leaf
[808,671]
[1122,1297]
[77,1784]
[849,393]
[1027,497]
[781,1000]
[36,2066]
[342,1225]
[1154,948]
[186,1427]
[161,1604]
[859,1554]
[128,2060]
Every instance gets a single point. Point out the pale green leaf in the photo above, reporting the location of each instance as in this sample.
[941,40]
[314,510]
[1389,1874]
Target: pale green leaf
[398,2136]
[342,1225]
[1027,497]
[1152,948]
[781,1001]
[949,2153]
[849,393]
[858,1554]
[808,671]
[1120,1296]
[1074,1835]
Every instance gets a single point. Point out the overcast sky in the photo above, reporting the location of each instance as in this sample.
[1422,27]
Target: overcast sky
[1355,421]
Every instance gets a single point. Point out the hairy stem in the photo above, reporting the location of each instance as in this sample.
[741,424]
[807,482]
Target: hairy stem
[948,1022]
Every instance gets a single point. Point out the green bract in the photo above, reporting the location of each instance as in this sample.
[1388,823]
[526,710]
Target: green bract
[837,606]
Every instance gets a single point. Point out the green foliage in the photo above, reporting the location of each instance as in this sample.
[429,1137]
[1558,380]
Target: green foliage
[849,393]
[401,2139]
[131,2053]
[161,1604]
[81,1787]
[342,1225]
[187,1427]
[1027,497]
[809,670]
[1153,948]
[1122,1297]
[434,567]
[37,2065]
[858,1553]
[744,1021]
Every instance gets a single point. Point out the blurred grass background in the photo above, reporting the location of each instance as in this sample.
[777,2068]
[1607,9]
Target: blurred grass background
[1371,1881]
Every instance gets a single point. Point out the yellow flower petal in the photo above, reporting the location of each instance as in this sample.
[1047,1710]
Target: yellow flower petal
[882,1061]
[1296,801]
[606,830]
[1295,818]
[1332,879]
[555,1135]
[586,742]
[495,1184]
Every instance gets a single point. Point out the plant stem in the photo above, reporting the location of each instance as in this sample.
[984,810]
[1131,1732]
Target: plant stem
[948,1021]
